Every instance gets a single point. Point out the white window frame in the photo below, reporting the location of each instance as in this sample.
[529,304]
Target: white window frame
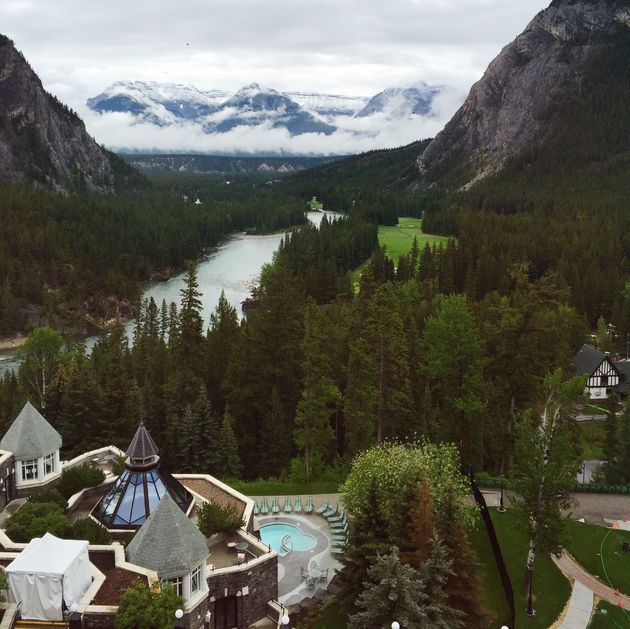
[49,459]
[197,575]
[177,583]
[33,465]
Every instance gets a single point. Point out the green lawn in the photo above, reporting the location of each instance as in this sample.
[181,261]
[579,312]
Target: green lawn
[598,550]
[551,588]
[609,616]
[494,598]
[399,239]
[280,488]
[592,439]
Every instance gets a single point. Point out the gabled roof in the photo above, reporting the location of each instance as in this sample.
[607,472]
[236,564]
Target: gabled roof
[624,381]
[587,360]
[168,542]
[30,435]
[142,445]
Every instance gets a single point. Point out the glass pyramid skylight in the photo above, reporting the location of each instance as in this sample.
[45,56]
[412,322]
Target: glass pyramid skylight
[136,493]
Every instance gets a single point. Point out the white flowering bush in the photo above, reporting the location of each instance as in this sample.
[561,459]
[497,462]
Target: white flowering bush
[394,467]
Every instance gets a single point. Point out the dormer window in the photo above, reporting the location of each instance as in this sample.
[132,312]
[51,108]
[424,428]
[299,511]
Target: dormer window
[49,464]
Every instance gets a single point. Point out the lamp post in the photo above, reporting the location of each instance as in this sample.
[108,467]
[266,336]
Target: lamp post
[207,619]
[74,619]
[501,508]
[395,625]
[530,611]
[285,619]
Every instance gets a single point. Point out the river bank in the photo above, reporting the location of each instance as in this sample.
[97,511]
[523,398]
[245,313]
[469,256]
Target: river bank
[9,343]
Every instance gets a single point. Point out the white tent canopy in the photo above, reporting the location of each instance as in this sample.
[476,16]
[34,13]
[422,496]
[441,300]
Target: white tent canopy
[46,572]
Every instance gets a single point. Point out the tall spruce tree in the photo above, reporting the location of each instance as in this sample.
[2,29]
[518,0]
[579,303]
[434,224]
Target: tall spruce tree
[320,396]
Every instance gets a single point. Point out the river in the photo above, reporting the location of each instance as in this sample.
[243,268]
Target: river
[233,267]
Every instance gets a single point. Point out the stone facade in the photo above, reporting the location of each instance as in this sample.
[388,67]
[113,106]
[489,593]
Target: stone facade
[261,582]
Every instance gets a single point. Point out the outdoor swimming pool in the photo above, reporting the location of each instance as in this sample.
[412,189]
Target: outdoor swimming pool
[283,537]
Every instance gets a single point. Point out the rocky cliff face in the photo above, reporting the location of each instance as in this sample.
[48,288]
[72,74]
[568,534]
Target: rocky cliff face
[41,140]
[505,110]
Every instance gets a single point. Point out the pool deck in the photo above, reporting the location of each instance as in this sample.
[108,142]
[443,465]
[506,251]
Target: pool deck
[291,587]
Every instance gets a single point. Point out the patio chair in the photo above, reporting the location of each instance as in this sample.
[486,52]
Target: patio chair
[338,517]
[256,508]
[264,507]
[275,506]
[308,507]
[339,529]
[297,507]
[322,507]
[338,525]
[324,574]
[287,505]
[330,511]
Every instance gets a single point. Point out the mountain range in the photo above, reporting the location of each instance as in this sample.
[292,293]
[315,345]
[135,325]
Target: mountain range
[218,111]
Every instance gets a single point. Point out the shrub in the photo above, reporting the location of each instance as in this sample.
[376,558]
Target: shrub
[77,478]
[34,519]
[51,496]
[213,518]
[140,607]
[93,532]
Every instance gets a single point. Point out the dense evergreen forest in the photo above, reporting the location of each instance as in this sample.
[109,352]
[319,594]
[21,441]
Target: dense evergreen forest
[445,343]
[64,255]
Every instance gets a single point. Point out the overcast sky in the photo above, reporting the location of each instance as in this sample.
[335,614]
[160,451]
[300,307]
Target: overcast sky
[354,47]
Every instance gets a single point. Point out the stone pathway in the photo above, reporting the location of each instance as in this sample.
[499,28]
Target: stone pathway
[580,608]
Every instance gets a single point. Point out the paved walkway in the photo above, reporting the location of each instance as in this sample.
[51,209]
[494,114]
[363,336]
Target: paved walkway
[574,571]
[580,608]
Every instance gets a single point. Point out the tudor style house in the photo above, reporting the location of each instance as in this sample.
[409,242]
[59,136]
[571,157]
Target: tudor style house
[604,376]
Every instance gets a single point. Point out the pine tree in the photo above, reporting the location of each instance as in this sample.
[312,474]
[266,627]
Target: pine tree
[464,585]
[369,537]
[313,431]
[229,460]
[416,547]
[396,591]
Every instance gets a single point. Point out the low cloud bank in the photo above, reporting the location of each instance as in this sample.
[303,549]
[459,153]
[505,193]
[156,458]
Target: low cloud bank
[124,132]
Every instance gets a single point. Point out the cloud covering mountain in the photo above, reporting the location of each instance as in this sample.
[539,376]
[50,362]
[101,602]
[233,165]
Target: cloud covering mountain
[149,116]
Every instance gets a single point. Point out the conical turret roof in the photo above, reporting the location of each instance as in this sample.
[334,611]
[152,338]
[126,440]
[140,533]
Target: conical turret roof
[142,447]
[168,542]
[30,436]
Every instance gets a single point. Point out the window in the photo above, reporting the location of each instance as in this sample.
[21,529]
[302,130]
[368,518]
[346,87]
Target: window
[29,470]
[49,464]
[195,580]
[177,583]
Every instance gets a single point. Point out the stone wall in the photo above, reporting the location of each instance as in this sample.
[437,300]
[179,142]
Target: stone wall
[98,621]
[261,582]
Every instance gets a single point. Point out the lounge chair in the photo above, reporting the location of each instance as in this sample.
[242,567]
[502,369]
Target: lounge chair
[338,523]
[336,530]
[256,508]
[332,510]
[339,538]
[322,507]
[340,516]
[275,506]
[264,507]
[297,507]
[308,507]
[287,505]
